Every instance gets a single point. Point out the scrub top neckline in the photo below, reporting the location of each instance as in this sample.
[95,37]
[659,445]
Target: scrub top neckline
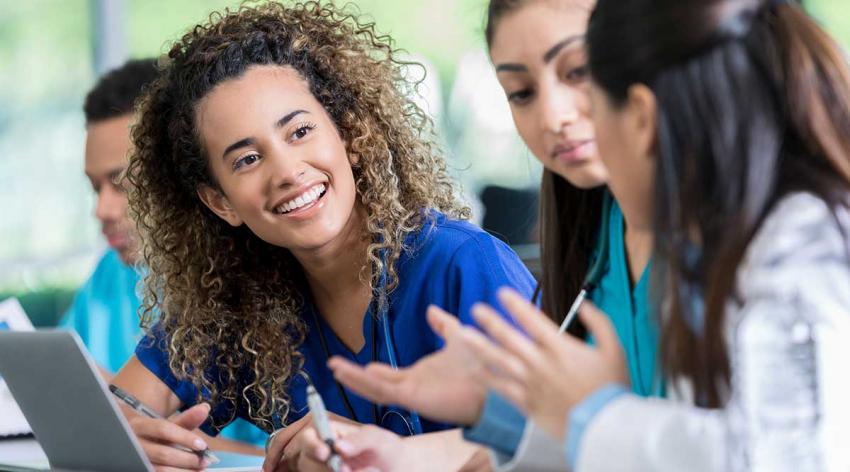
[336,346]
[619,232]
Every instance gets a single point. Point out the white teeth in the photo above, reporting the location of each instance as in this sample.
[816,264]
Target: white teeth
[305,198]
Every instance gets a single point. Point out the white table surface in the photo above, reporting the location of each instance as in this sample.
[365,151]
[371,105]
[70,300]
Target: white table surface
[21,451]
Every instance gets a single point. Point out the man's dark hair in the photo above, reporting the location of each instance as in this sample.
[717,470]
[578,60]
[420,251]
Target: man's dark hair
[115,92]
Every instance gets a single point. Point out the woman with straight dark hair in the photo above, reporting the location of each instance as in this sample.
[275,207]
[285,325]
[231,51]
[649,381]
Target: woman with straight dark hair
[733,120]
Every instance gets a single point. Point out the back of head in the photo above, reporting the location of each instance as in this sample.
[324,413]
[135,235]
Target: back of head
[753,102]
[115,93]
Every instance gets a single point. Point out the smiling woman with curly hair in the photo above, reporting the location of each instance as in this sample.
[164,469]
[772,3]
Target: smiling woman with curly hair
[292,207]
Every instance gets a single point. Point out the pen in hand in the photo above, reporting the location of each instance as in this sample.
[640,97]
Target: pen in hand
[144,410]
[323,426]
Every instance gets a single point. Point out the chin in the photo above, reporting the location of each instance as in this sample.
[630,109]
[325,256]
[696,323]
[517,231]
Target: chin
[129,256]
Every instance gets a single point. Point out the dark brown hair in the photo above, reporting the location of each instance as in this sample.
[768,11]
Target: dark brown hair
[569,219]
[753,103]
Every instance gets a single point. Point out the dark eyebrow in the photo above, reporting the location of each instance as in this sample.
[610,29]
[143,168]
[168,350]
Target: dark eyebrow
[288,117]
[238,144]
[249,141]
[548,56]
[554,50]
[111,174]
[511,68]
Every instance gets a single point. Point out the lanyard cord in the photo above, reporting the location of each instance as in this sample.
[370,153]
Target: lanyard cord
[383,318]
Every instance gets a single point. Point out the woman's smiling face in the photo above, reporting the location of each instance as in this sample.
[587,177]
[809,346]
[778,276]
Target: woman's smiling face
[281,166]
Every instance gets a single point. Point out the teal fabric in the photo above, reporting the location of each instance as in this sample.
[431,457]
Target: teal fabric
[629,310]
[104,314]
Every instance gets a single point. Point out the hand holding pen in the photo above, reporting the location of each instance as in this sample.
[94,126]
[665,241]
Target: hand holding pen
[169,442]
[323,426]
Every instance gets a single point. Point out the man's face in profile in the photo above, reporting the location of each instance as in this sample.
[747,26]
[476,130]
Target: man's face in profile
[107,147]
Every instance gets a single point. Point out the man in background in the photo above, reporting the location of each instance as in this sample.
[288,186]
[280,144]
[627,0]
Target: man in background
[105,309]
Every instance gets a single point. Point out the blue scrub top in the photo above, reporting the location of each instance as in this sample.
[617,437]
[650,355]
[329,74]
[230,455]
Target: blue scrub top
[448,263]
[104,314]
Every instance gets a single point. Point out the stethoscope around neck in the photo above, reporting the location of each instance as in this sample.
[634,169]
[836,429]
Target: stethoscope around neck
[379,310]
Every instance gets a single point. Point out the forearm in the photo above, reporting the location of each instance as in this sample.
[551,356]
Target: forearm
[445,450]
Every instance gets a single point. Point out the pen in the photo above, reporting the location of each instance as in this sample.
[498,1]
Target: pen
[573,310]
[323,425]
[140,407]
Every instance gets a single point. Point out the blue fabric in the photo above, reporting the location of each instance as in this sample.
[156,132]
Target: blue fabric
[449,263]
[104,314]
[500,426]
[583,413]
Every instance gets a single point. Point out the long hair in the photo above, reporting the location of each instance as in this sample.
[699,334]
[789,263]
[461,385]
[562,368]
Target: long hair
[228,303]
[569,218]
[753,103]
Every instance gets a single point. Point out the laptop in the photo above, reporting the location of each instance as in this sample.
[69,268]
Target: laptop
[12,422]
[77,423]
[76,420]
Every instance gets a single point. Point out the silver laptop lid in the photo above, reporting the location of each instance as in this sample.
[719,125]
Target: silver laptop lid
[67,404]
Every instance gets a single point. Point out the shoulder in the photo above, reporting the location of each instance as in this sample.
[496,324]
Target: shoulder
[110,266]
[450,238]
[802,247]
[801,229]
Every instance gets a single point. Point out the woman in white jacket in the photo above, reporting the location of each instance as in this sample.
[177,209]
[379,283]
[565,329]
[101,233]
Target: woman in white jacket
[732,118]
[738,113]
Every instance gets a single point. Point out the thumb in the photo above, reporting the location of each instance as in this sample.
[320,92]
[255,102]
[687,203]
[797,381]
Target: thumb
[193,417]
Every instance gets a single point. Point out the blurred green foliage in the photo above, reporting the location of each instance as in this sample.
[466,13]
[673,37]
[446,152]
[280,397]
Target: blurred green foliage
[440,30]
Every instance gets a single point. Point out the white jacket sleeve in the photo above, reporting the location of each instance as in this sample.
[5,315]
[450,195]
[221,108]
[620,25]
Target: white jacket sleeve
[634,434]
[537,452]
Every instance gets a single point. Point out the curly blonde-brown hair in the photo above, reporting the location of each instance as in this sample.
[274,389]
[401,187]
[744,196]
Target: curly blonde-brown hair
[228,303]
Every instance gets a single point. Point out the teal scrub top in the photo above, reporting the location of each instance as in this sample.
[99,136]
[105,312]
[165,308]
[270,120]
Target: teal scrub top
[104,314]
[629,310]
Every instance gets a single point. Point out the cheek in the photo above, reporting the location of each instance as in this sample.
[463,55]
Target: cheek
[583,105]
[605,138]
[529,131]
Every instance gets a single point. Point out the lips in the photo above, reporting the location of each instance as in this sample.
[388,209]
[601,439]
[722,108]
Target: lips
[573,151]
[303,199]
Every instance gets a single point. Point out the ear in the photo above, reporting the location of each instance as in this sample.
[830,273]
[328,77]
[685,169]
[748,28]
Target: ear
[218,203]
[643,119]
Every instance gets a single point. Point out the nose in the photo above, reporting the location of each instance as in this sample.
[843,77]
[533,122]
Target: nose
[285,169]
[559,108]
[111,204]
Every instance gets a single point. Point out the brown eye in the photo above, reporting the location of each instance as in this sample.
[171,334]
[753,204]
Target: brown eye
[302,131]
[578,74]
[520,97]
[245,161]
